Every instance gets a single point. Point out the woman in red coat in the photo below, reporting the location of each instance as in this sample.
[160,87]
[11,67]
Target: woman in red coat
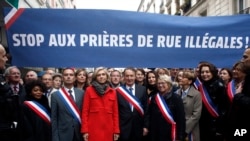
[100,119]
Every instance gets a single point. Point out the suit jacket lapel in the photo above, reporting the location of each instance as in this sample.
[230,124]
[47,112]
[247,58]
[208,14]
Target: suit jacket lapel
[137,91]
[77,98]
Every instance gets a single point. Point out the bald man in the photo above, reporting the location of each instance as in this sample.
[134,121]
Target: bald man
[30,75]
[3,57]
[9,105]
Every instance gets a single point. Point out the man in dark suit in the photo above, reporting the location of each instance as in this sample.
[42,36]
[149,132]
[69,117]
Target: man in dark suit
[66,105]
[13,76]
[9,105]
[132,103]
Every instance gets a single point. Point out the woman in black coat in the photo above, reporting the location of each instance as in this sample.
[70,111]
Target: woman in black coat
[34,125]
[160,128]
[239,118]
[212,124]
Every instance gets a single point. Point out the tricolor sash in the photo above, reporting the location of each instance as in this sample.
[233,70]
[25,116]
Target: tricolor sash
[207,101]
[70,104]
[197,83]
[166,114]
[149,99]
[231,90]
[131,99]
[39,109]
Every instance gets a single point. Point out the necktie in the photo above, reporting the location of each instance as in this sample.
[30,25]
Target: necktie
[131,92]
[70,94]
[48,93]
[15,89]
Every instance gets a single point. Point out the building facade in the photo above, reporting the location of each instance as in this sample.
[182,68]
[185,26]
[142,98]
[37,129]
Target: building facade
[196,7]
[47,4]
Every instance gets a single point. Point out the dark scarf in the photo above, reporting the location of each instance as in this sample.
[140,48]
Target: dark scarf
[100,88]
[151,87]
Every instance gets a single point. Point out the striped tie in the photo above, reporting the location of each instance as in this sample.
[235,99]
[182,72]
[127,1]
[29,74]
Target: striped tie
[70,94]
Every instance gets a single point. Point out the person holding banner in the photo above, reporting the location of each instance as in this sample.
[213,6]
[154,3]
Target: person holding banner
[132,104]
[166,114]
[66,105]
[35,124]
[100,120]
[215,103]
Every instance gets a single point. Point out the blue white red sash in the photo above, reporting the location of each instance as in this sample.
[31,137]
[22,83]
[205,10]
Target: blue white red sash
[39,109]
[166,114]
[131,99]
[149,99]
[231,90]
[69,103]
[197,83]
[207,101]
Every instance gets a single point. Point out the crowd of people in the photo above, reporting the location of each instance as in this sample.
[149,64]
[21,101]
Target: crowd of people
[161,104]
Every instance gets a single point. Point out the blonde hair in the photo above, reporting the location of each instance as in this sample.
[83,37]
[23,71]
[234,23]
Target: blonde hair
[94,76]
[165,78]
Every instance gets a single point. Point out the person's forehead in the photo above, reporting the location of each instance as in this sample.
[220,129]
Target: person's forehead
[101,72]
[115,72]
[31,73]
[129,72]
[247,51]
[2,50]
[14,70]
[68,71]
[246,54]
[47,76]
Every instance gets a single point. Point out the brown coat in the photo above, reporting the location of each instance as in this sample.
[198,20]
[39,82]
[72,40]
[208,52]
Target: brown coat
[192,106]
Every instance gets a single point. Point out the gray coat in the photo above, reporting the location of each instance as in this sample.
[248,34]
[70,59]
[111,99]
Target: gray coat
[192,106]
[64,126]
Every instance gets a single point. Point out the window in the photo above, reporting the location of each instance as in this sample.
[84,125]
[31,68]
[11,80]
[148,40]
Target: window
[241,7]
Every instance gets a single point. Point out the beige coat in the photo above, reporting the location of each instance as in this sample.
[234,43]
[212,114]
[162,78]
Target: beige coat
[192,105]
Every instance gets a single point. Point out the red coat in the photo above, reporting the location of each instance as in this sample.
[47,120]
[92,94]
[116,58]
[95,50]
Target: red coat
[100,115]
